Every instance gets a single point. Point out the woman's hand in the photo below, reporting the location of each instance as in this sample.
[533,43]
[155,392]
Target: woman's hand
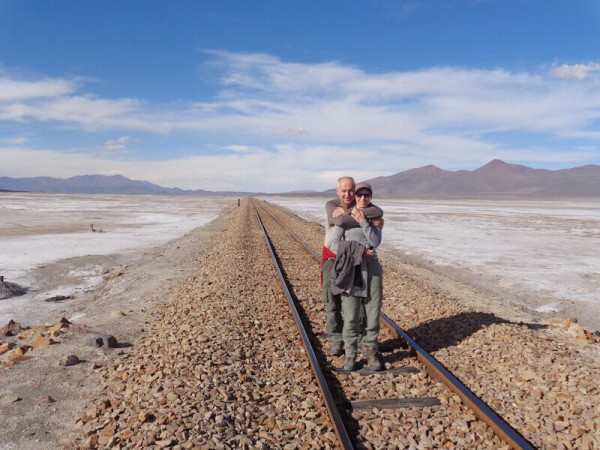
[368,252]
[377,222]
[358,215]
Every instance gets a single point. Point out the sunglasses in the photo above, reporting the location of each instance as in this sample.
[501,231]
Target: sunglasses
[363,194]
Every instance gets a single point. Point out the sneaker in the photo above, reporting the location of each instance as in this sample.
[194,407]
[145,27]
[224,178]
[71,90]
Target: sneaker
[336,348]
[350,363]
[374,360]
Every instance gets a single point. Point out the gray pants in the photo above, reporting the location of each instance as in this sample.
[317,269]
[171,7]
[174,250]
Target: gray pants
[334,324]
[354,307]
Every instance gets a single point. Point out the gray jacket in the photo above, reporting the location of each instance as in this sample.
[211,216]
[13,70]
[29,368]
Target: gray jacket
[366,236]
[342,277]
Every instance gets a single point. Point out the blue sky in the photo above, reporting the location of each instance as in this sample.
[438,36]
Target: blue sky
[275,96]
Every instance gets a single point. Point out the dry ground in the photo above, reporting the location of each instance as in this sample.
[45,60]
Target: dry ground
[40,399]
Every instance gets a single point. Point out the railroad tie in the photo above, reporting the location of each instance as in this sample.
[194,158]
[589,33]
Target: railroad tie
[396,403]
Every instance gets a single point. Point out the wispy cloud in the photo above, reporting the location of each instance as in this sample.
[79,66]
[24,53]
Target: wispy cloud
[576,71]
[87,111]
[12,90]
[118,144]
[239,148]
[15,140]
[285,124]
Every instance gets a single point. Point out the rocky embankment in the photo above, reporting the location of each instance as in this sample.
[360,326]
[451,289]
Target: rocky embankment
[208,356]
[538,372]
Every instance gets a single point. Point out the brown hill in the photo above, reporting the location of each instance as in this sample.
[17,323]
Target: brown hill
[414,180]
[496,179]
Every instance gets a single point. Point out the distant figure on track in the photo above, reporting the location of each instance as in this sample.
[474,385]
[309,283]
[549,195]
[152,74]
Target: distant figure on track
[357,277]
[338,214]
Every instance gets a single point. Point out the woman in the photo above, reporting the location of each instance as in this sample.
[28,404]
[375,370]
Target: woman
[357,276]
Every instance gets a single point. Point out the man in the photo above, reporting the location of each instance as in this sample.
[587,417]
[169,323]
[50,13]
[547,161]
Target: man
[339,213]
[357,277]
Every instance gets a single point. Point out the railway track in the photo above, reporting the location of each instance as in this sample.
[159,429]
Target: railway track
[378,409]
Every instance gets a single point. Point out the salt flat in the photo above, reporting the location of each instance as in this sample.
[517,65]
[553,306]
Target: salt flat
[539,254]
[543,254]
[47,244]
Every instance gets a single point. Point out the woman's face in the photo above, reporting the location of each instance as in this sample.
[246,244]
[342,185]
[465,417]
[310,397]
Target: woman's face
[363,198]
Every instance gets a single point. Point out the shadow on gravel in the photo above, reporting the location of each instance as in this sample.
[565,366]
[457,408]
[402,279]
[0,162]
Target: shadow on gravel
[124,345]
[441,333]
[397,356]
[394,350]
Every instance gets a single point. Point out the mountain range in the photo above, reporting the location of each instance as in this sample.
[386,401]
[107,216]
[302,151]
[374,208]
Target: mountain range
[496,180]
[96,184]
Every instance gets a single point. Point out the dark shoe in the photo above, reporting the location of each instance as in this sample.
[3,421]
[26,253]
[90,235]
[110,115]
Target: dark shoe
[336,348]
[350,363]
[374,360]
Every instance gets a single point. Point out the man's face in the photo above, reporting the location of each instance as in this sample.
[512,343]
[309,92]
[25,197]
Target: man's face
[345,192]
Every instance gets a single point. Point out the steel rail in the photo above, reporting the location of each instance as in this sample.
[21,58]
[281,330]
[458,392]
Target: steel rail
[338,423]
[437,371]
[295,236]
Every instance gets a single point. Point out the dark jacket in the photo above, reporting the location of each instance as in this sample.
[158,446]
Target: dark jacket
[342,276]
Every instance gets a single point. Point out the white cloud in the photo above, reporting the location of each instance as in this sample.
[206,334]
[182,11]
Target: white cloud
[291,132]
[90,112]
[16,140]
[257,71]
[264,95]
[238,148]
[116,144]
[574,71]
[18,90]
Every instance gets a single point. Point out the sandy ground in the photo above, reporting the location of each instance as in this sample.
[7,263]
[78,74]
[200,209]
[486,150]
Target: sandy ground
[40,400]
[482,292]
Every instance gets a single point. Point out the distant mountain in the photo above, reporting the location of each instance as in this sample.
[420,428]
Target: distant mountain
[96,184]
[496,180]
[409,181]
